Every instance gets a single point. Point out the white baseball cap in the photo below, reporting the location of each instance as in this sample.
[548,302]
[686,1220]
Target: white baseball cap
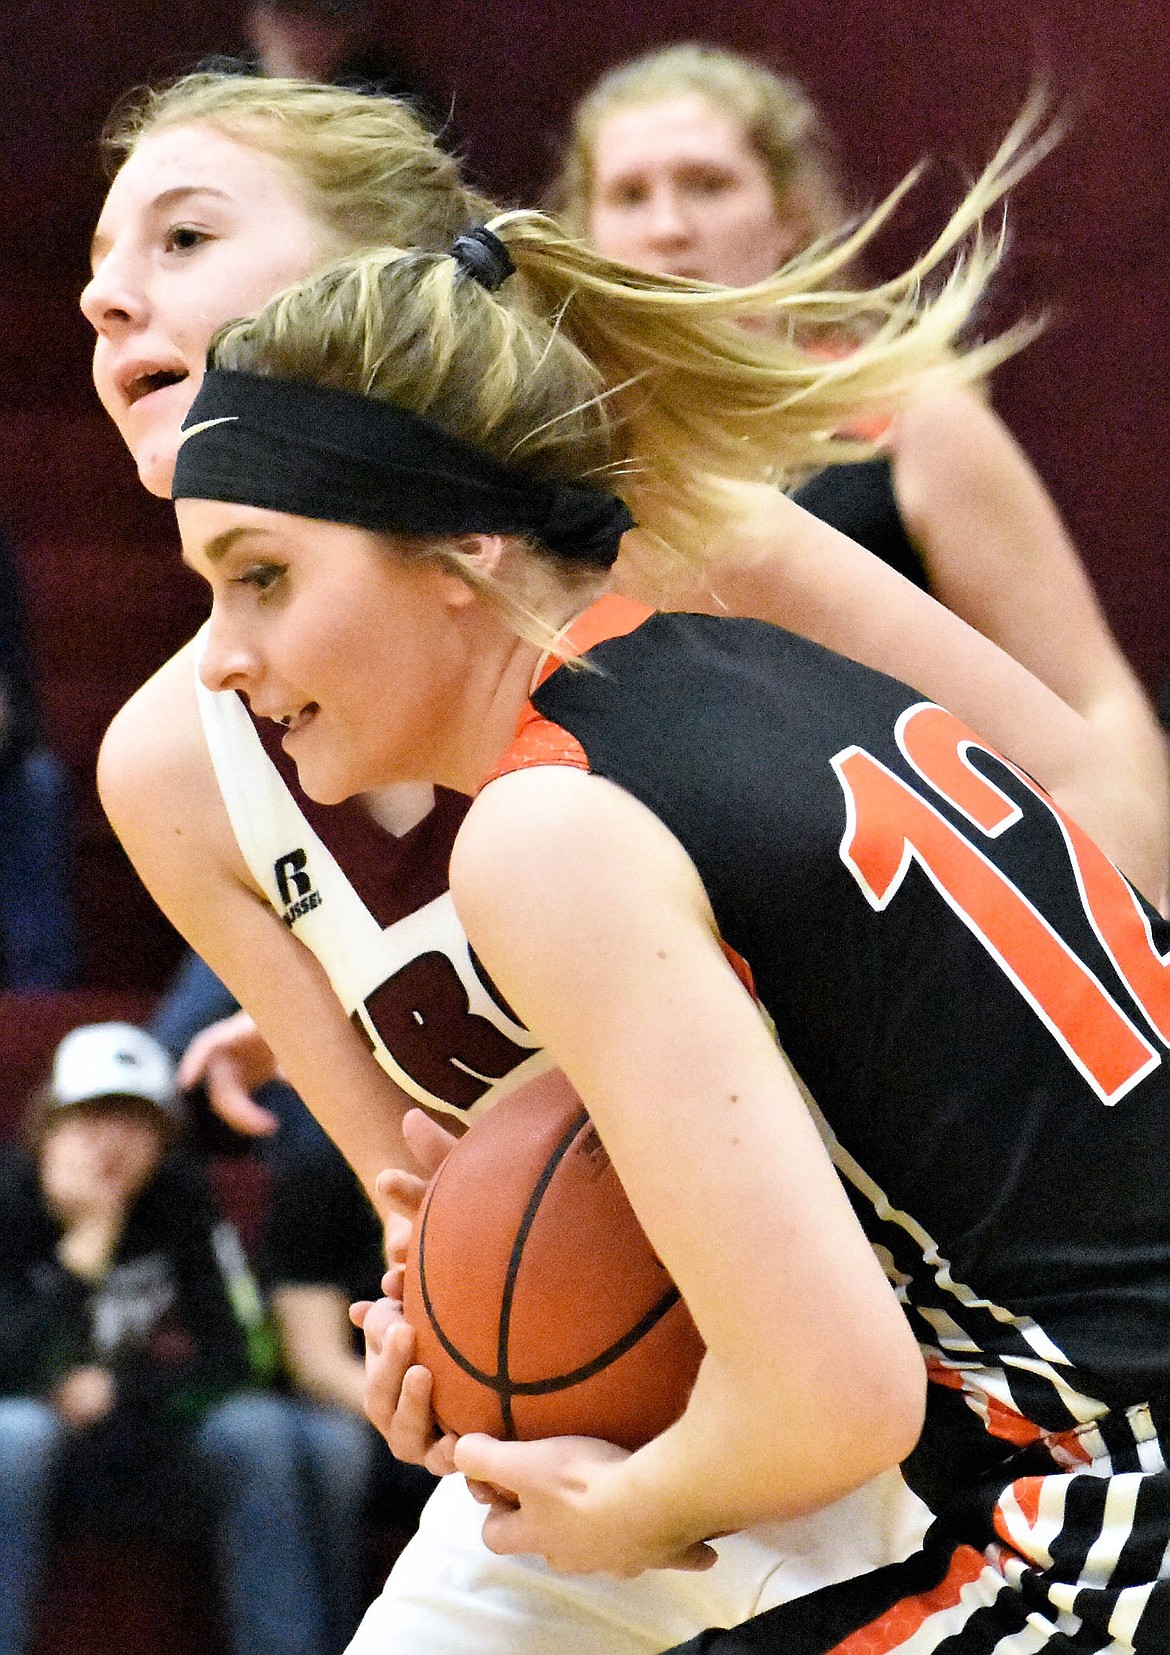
[114,1060]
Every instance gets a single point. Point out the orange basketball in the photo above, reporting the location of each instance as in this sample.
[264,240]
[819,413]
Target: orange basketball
[537,1301]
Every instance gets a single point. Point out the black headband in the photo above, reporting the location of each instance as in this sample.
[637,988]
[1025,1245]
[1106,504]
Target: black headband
[339,457]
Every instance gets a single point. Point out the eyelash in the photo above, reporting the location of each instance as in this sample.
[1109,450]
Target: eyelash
[263,576]
[173,244]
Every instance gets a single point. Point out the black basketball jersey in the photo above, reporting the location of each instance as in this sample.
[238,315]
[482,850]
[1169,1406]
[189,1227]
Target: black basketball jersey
[859,500]
[976,1000]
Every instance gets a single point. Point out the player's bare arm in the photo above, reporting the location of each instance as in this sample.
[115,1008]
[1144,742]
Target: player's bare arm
[997,553]
[159,791]
[593,922]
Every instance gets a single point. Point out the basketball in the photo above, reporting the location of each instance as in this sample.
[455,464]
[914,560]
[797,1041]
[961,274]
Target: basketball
[537,1301]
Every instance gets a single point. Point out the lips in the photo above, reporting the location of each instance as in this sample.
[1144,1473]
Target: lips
[292,722]
[145,384]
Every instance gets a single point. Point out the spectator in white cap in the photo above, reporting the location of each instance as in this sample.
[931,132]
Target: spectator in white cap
[130,1346]
[114,1062]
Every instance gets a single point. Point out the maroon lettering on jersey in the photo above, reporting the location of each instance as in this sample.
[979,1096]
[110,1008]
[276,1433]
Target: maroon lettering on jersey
[423,1017]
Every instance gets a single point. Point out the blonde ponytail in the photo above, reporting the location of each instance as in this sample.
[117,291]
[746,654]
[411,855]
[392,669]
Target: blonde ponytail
[581,368]
[697,398]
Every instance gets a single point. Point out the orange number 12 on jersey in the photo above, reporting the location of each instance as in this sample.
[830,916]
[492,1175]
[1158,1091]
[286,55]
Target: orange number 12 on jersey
[889,825]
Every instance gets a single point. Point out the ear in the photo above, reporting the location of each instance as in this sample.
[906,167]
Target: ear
[797,220]
[485,550]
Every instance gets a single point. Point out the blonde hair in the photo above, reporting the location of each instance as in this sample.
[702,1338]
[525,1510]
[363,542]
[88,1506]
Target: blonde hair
[778,118]
[367,169]
[582,369]
[581,366]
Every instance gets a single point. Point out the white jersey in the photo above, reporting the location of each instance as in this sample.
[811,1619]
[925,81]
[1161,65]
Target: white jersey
[409,985]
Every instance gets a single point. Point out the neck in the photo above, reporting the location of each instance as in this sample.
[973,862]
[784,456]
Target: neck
[496,690]
[401,806]
[493,715]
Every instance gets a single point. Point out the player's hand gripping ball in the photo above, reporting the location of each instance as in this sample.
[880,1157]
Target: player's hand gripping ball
[537,1301]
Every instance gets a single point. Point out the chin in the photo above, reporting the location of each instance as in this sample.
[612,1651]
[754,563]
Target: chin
[156,469]
[324,788]
[325,791]
[332,769]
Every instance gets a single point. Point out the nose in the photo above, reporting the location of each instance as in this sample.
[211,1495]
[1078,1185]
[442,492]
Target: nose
[113,299]
[228,661]
[667,222]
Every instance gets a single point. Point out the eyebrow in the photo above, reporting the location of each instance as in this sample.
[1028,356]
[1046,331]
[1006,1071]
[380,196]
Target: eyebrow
[168,198]
[220,544]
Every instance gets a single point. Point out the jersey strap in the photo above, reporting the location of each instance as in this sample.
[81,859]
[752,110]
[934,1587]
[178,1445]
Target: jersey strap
[540,742]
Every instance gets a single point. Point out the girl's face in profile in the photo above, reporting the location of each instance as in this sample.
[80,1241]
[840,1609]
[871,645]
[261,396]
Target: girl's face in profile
[196,230]
[354,649]
[679,190]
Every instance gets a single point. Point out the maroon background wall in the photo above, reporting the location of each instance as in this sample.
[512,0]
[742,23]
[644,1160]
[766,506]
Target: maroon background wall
[897,79]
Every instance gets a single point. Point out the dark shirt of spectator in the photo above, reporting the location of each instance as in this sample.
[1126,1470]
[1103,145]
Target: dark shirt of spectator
[332,41]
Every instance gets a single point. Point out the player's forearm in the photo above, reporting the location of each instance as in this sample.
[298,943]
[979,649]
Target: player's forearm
[338,1381]
[1123,717]
[316,1337]
[736,1459]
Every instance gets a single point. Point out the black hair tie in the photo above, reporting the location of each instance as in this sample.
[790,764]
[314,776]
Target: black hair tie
[483,255]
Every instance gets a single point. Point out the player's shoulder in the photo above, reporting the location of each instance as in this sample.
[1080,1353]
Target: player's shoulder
[535,811]
[549,839]
[947,443]
[159,720]
[154,747]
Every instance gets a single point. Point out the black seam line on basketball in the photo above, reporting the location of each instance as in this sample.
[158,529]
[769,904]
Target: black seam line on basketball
[561,1381]
[428,1303]
[542,1387]
[493,1382]
[456,1356]
[504,1386]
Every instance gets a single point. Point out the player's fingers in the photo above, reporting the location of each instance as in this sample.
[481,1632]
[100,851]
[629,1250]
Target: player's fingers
[389,1359]
[483,1459]
[696,1558]
[392,1282]
[411,1430]
[190,1068]
[488,1495]
[226,1036]
[429,1142]
[359,1310]
[403,1191]
[506,1530]
[440,1460]
[386,1333]
[232,1101]
[396,1238]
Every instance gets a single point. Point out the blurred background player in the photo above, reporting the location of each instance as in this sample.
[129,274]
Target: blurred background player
[696,161]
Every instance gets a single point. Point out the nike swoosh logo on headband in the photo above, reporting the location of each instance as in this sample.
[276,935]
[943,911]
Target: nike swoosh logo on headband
[204,425]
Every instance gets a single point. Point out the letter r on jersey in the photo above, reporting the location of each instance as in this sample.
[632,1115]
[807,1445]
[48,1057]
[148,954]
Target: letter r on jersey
[291,879]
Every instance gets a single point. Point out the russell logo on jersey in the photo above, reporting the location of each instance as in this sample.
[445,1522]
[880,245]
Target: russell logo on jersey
[297,894]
